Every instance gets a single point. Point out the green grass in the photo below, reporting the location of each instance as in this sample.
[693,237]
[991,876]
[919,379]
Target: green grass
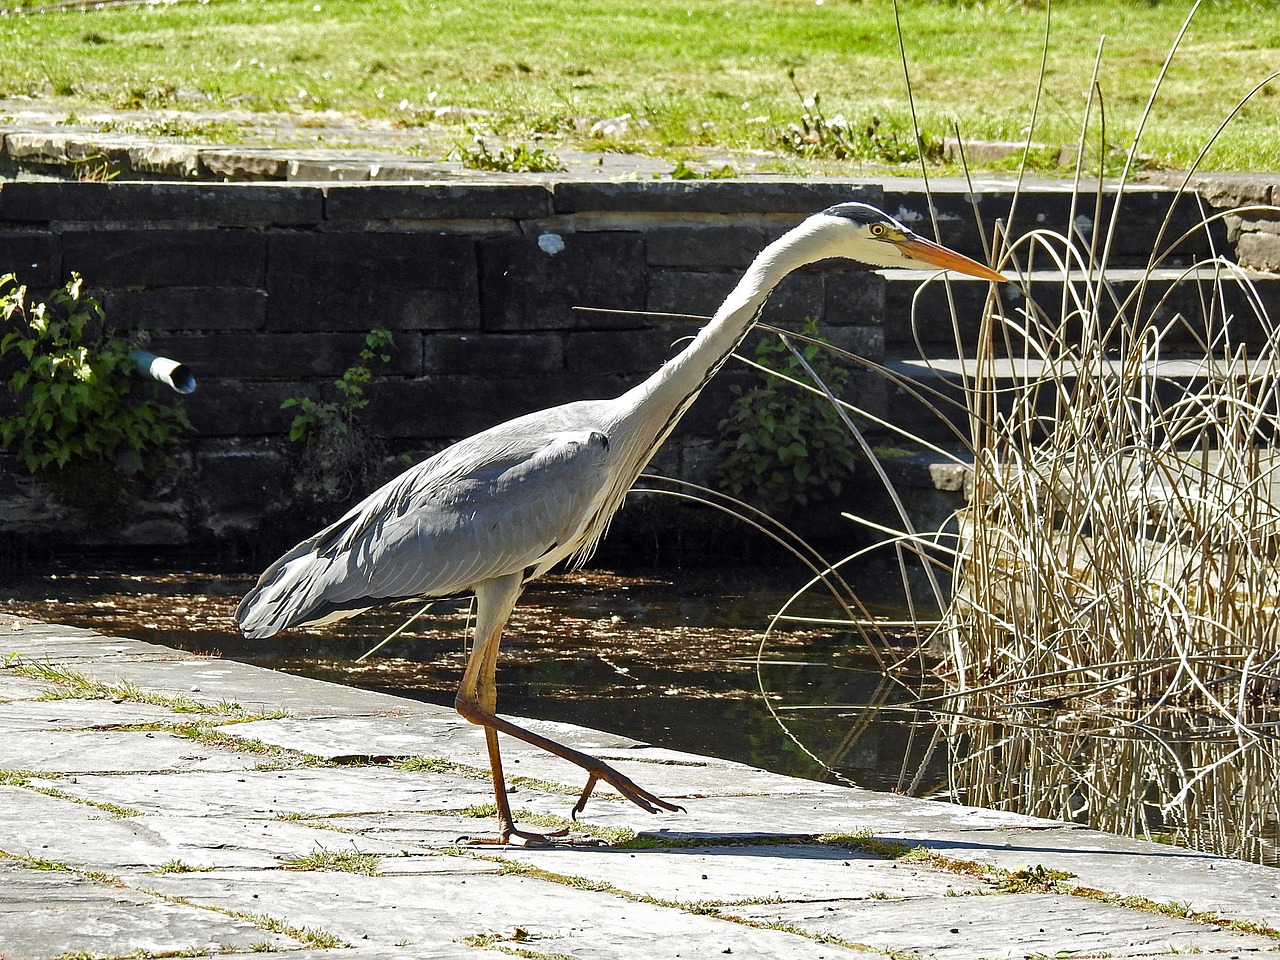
[343,861]
[694,74]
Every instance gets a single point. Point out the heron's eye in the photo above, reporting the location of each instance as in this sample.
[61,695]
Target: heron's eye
[877,229]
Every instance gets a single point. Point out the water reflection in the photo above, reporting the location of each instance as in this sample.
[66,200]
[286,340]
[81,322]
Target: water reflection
[673,658]
[1175,776]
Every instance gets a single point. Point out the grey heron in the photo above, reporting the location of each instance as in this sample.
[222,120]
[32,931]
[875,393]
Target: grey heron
[499,509]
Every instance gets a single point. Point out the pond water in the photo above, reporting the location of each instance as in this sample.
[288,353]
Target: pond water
[669,657]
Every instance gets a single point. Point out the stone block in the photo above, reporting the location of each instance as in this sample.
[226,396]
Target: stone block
[1142,233]
[449,408]
[323,170]
[164,159]
[1233,190]
[715,246]
[50,148]
[357,281]
[866,342]
[235,485]
[437,201]
[927,317]
[282,356]
[629,353]
[186,308]
[221,204]
[1142,212]
[501,355]
[165,258]
[238,408]
[34,255]
[855,297]
[534,282]
[702,421]
[1260,250]
[242,164]
[955,213]
[699,293]
[695,293]
[709,196]
[397,169]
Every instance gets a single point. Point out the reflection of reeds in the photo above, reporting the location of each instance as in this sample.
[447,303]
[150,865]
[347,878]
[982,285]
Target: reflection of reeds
[1110,646]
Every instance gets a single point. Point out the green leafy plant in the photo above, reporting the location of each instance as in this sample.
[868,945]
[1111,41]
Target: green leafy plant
[815,137]
[782,445]
[683,171]
[78,399]
[340,456]
[517,158]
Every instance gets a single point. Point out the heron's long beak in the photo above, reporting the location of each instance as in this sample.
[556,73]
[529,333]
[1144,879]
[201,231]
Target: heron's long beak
[926,251]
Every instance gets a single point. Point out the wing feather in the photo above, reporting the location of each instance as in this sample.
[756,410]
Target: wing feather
[498,503]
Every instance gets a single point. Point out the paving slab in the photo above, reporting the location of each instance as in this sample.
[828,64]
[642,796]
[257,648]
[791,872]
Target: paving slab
[740,872]
[77,714]
[98,751]
[442,733]
[733,874]
[1020,925]
[79,836]
[411,830]
[313,792]
[155,668]
[49,913]
[525,912]
[21,688]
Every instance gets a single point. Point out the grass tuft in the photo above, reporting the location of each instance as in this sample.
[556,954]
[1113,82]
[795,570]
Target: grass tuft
[342,861]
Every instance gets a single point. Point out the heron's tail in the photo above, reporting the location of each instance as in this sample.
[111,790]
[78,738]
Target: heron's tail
[282,597]
[292,592]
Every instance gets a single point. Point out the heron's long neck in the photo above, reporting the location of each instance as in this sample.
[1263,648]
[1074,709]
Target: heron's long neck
[652,409]
[644,415]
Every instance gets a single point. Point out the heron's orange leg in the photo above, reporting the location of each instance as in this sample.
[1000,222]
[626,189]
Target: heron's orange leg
[478,699]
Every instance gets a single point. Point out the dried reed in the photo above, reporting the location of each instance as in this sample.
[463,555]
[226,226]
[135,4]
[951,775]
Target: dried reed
[1110,646]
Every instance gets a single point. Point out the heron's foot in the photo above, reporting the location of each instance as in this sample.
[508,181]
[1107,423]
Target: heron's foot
[511,835]
[597,770]
[642,798]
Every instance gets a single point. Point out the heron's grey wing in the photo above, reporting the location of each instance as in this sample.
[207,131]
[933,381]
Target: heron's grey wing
[484,508]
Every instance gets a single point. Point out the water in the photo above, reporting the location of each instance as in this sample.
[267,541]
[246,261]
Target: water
[668,657]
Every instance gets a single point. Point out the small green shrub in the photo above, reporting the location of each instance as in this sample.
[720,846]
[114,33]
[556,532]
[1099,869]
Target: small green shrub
[815,137]
[683,171]
[783,446]
[79,402]
[519,158]
[339,456]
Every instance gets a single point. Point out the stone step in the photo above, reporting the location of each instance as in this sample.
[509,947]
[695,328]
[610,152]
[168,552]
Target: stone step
[1175,299]
[927,395]
[1152,217]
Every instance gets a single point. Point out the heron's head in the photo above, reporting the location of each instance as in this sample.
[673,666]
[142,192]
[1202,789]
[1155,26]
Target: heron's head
[873,237]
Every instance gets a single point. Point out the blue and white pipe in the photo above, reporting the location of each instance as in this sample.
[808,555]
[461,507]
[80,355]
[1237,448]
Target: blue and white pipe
[169,372]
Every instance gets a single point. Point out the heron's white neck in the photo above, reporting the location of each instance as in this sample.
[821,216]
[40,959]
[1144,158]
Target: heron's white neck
[643,417]
[651,409]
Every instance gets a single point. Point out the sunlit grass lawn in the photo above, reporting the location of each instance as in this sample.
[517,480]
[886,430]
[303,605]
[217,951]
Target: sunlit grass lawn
[693,74]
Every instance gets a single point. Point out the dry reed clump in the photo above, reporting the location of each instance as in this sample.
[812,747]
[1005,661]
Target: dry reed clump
[1109,647]
[1120,543]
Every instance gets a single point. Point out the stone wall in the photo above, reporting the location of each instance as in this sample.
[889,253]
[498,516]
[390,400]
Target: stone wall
[266,290]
